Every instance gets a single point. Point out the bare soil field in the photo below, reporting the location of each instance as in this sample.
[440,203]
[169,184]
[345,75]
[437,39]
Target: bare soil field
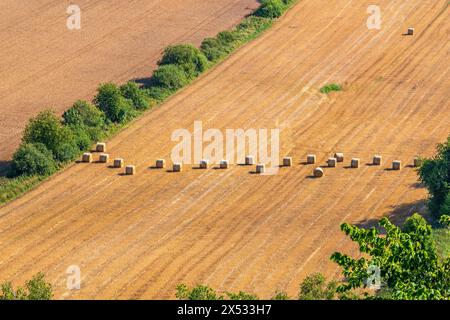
[43,64]
[139,236]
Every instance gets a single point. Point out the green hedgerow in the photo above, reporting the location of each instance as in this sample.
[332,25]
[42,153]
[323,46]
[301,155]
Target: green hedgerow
[132,92]
[83,113]
[186,56]
[271,9]
[46,128]
[33,159]
[170,77]
[117,108]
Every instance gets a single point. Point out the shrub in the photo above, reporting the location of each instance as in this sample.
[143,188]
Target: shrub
[330,87]
[213,49]
[252,26]
[435,175]
[85,136]
[271,9]
[132,92]
[186,56]
[117,108]
[47,129]
[315,287]
[199,292]
[241,296]
[35,289]
[169,77]
[83,113]
[33,159]
[217,48]
[157,93]
[67,151]
[280,295]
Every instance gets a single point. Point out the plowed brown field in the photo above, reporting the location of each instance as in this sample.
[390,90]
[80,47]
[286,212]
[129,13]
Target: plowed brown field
[138,237]
[43,64]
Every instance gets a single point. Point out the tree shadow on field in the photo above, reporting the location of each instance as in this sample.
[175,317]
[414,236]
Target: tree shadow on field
[398,214]
[5,168]
[144,82]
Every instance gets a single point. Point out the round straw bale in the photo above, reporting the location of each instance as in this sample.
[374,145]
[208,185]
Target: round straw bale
[260,168]
[332,162]
[396,165]
[339,156]
[118,163]
[177,167]
[104,158]
[101,147]
[355,163]
[130,170]
[377,160]
[311,158]
[318,172]
[287,161]
[204,164]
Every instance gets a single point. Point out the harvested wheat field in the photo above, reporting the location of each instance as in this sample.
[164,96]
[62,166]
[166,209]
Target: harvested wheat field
[43,64]
[139,236]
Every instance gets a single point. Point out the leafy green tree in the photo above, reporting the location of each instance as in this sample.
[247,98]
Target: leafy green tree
[280,295]
[132,92]
[241,295]
[216,48]
[85,136]
[84,114]
[35,289]
[435,175]
[117,108]
[445,207]
[315,287]
[199,292]
[271,9]
[202,292]
[169,77]
[187,57]
[445,220]
[46,128]
[409,266]
[33,159]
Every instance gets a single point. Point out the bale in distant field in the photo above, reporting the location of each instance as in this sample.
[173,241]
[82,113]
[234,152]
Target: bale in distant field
[118,163]
[396,165]
[224,164]
[260,168]
[355,163]
[339,156]
[318,172]
[417,162]
[204,164]
[311,159]
[104,158]
[249,160]
[87,157]
[410,31]
[287,161]
[160,163]
[377,160]
[130,170]
[101,147]
[332,162]
[177,167]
